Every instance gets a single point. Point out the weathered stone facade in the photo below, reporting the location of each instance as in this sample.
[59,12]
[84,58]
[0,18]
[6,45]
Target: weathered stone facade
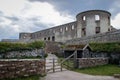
[91,62]
[53,47]
[87,23]
[113,36]
[13,68]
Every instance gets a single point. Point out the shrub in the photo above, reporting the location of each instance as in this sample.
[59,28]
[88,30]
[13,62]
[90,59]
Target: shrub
[105,47]
[8,47]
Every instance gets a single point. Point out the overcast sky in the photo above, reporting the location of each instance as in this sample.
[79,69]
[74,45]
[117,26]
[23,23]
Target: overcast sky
[33,15]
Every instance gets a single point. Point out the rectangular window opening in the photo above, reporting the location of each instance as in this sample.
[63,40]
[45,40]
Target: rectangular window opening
[48,38]
[84,18]
[66,28]
[84,31]
[97,17]
[73,27]
[97,30]
[53,38]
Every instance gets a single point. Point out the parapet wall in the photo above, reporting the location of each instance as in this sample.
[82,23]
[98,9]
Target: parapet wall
[112,36]
[91,62]
[12,68]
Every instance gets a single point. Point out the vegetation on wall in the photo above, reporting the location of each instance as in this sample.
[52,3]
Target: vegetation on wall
[7,47]
[105,47]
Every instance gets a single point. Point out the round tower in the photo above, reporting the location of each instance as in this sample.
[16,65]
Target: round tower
[93,22]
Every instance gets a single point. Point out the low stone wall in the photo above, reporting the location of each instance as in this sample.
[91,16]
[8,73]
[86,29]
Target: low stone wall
[12,68]
[19,54]
[52,47]
[91,62]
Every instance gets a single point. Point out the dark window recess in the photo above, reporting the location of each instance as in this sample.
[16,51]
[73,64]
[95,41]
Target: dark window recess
[44,38]
[108,20]
[39,34]
[97,30]
[48,38]
[108,29]
[84,31]
[53,38]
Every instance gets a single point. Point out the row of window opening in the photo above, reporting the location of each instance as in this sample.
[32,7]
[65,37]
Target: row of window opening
[97,30]
[66,28]
[49,38]
[97,18]
[53,31]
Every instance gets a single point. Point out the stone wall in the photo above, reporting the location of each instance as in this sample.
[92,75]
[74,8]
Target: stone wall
[19,54]
[52,47]
[59,33]
[12,68]
[91,62]
[113,36]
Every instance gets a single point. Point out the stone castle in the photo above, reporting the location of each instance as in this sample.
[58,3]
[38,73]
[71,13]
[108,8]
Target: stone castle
[87,23]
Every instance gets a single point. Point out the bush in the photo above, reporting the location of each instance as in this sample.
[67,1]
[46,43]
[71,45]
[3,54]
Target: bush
[45,55]
[105,47]
[8,47]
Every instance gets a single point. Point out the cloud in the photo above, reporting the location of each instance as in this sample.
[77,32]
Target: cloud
[46,14]
[38,0]
[13,18]
[26,16]
[116,21]
[10,7]
[114,7]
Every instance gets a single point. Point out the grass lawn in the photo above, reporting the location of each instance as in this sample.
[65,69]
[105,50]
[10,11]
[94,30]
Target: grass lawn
[26,78]
[108,70]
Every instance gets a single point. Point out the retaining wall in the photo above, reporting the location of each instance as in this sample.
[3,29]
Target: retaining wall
[12,68]
[19,54]
[112,36]
[91,62]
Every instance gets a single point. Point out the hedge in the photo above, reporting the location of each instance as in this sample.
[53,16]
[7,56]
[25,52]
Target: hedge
[105,47]
[7,47]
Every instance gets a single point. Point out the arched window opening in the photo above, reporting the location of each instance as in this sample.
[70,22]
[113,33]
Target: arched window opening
[53,38]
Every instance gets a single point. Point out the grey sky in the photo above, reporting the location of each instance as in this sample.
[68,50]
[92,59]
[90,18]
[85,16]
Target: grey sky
[32,15]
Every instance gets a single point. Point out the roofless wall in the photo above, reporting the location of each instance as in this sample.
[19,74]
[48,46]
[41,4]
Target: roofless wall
[87,23]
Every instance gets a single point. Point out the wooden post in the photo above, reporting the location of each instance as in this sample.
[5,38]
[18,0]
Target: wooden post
[53,65]
[45,66]
[61,64]
[75,59]
[68,63]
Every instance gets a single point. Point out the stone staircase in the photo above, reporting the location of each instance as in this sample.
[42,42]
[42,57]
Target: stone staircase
[52,64]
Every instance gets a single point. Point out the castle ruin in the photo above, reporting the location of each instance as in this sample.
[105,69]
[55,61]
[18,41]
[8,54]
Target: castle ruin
[87,23]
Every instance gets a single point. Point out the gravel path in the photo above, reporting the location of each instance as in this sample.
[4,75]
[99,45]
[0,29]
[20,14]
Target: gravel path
[70,75]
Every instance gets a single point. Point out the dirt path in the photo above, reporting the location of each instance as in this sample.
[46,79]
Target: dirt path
[70,75]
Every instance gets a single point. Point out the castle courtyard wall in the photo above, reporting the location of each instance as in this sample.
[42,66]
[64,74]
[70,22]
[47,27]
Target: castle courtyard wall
[112,36]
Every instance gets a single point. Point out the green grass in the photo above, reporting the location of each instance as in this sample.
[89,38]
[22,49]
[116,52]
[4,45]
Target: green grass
[9,47]
[69,64]
[26,78]
[108,70]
